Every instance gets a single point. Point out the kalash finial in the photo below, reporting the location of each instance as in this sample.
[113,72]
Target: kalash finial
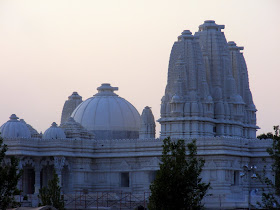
[54,124]
[13,117]
[186,34]
[106,89]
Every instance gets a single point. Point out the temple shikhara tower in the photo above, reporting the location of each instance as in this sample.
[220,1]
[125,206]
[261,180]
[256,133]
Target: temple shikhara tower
[207,91]
[105,150]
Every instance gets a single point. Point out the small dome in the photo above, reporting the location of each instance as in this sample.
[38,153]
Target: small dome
[237,99]
[108,115]
[176,99]
[54,132]
[14,129]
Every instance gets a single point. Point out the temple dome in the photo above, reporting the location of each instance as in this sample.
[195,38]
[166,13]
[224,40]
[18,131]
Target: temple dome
[14,129]
[108,115]
[54,132]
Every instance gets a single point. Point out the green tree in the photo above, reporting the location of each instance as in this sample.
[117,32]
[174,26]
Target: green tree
[178,184]
[51,195]
[271,193]
[9,177]
[268,135]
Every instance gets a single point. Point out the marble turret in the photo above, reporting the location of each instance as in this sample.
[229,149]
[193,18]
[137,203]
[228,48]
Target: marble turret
[13,128]
[147,126]
[187,106]
[54,132]
[70,105]
[207,92]
[240,74]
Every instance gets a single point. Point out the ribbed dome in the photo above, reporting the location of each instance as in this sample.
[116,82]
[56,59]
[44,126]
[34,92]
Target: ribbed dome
[54,132]
[14,129]
[108,115]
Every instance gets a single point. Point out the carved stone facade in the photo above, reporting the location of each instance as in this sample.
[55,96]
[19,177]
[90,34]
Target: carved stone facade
[207,91]
[130,165]
[207,97]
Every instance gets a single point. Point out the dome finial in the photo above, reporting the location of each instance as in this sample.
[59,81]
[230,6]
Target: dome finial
[209,25]
[75,95]
[14,117]
[54,124]
[106,89]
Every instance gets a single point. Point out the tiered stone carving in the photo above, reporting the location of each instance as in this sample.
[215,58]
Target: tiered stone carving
[207,93]
[148,126]
[75,130]
[240,74]
[34,133]
[26,161]
[59,163]
[70,105]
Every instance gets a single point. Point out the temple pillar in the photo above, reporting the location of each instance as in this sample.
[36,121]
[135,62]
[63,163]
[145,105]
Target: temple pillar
[37,169]
[37,180]
[58,165]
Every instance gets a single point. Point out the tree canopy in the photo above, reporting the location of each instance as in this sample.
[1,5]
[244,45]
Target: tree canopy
[178,184]
[268,135]
[9,177]
[270,194]
[51,195]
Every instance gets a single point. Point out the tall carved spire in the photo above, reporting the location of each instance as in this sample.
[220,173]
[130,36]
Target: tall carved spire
[240,74]
[70,105]
[187,100]
[207,91]
[148,126]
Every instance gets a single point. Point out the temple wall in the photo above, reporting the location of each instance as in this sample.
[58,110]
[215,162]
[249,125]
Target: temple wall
[130,165]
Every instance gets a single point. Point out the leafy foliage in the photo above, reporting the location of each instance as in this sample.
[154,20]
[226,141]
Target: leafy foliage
[51,195]
[270,194]
[265,136]
[177,184]
[9,177]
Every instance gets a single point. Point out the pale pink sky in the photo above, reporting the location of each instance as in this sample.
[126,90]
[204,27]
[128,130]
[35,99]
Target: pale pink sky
[48,49]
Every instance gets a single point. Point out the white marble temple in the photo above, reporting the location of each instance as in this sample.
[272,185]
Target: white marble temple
[103,144]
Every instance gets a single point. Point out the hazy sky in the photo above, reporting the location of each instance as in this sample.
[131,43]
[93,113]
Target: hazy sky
[48,49]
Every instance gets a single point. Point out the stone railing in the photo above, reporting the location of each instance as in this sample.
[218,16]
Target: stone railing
[92,148]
